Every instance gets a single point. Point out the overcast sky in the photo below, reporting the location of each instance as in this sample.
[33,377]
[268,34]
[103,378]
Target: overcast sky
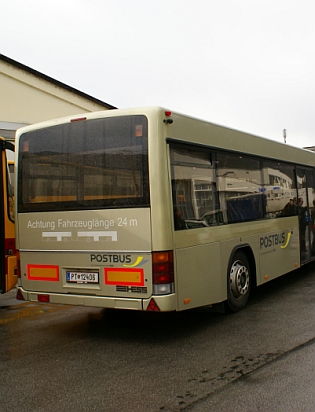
[245,64]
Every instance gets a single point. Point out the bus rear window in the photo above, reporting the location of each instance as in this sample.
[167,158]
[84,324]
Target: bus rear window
[92,164]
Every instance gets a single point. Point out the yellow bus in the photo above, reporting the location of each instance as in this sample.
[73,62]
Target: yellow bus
[150,210]
[8,275]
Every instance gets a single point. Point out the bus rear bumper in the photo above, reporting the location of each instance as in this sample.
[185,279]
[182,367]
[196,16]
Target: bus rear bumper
[166,303]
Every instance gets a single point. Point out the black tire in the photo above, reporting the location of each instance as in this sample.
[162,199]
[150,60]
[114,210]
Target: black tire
[238,282]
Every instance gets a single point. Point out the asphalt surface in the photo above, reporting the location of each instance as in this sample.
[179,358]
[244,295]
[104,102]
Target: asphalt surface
[56,358]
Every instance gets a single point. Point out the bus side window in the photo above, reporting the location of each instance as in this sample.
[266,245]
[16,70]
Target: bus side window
[240,186]
[280,188]
[193,188]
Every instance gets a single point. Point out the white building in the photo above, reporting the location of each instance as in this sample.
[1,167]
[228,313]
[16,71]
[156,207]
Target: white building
[28,96]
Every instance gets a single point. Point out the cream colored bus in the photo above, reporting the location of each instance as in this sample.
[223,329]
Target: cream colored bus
[151,210]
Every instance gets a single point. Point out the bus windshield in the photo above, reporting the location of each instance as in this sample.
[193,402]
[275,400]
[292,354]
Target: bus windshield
[89,164]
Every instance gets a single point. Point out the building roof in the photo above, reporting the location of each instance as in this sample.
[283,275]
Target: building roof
[54,81]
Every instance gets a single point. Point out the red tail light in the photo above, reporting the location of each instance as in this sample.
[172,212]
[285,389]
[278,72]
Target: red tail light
[78,119]
[163,272]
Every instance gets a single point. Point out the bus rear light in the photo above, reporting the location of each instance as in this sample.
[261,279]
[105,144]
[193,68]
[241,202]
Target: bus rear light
[160,279]
[159,257]
[153,307]
[164,289]
[78,119]
[43,298]
[163,273]
[168,114]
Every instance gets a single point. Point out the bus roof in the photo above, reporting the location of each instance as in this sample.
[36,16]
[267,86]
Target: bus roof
[200,132]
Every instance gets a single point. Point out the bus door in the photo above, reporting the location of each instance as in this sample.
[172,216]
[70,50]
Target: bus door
[306,199]
[7,235]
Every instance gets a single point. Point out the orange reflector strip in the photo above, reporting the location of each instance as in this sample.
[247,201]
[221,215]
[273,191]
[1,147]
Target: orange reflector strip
[43,272]
[120,276]
[186,301]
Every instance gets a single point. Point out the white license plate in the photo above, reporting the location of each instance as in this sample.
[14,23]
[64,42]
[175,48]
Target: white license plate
[82,277]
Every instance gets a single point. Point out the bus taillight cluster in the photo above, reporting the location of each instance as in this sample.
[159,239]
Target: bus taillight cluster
[163,273]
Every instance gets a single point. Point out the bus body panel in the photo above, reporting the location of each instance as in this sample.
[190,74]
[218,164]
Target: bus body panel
[195,131]
[160,188]
[114,257]
[98,230]
[106,273]
[166,303]
[202,277]
[199,276]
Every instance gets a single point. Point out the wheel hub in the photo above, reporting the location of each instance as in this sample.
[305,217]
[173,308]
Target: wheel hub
[239,279]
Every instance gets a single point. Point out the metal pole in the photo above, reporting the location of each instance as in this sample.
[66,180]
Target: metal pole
[284,135]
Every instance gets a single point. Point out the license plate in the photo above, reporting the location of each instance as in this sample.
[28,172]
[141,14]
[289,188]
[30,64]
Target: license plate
[82,277]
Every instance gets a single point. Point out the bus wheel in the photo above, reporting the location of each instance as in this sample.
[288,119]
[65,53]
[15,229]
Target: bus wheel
[238,282]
